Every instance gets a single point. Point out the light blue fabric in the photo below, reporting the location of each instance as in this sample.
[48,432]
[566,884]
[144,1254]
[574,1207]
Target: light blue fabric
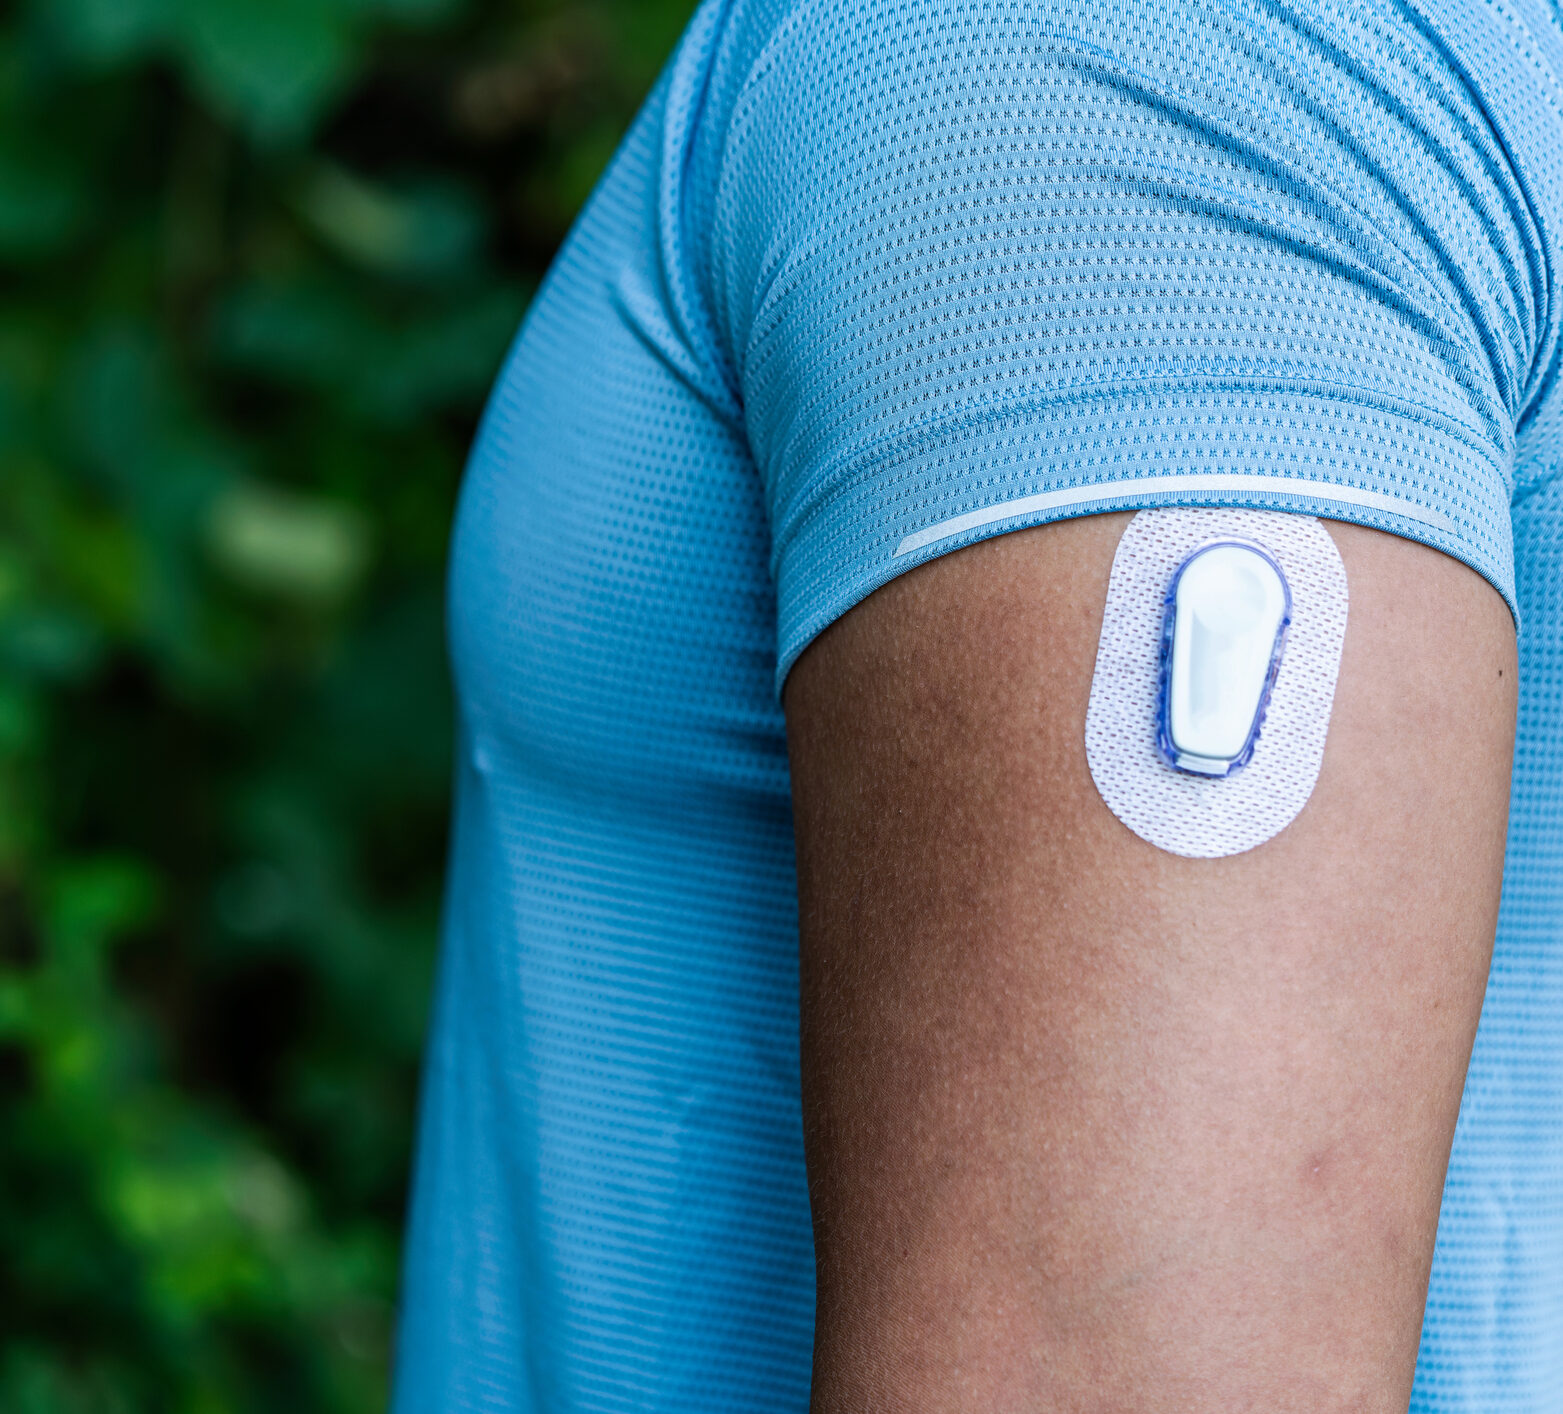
[869,277]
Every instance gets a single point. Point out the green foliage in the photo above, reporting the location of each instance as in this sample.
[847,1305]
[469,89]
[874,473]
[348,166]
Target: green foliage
[260,261]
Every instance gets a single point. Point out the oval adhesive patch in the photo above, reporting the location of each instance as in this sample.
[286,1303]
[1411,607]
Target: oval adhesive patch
[1208,816]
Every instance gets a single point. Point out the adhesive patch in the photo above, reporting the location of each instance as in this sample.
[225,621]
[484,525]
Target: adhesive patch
[1203,817]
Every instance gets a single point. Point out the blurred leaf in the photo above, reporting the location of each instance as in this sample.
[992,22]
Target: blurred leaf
[119,400]
[43,199]
[305,334]
[387,369]
[93,901]
[108,30]
[284,543]
[255,900]
[273,63]
[420,230]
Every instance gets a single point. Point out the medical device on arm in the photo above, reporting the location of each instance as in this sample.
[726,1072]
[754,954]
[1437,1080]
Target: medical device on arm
[1224,627]
[1215,675]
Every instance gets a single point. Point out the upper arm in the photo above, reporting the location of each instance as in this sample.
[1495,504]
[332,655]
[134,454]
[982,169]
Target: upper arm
[1091,1125]
[995,268]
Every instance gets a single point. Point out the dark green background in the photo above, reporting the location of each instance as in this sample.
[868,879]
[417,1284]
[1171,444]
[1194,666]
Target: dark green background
[260,261]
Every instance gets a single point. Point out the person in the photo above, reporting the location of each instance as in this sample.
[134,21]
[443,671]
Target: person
[808,1032]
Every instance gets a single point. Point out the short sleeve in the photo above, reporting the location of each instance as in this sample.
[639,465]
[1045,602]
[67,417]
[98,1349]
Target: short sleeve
[983,265]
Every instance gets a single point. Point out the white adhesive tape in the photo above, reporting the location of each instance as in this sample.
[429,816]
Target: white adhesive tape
[1197,816]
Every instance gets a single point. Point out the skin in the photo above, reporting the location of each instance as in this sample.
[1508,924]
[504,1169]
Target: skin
[1092,1127]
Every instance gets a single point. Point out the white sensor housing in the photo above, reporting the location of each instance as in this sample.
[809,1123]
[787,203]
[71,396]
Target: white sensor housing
[1226,615]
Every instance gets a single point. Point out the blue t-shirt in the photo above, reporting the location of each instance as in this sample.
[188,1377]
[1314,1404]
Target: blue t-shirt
[869,281]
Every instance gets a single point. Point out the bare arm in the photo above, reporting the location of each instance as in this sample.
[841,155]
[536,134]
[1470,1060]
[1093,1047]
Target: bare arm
[1093,1127]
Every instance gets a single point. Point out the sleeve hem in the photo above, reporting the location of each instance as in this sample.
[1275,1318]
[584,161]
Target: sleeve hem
[1317,455]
